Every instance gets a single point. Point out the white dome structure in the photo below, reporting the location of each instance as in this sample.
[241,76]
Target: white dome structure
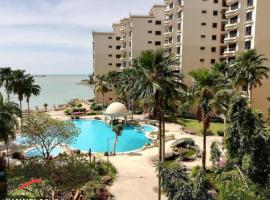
[115,111]
[116,108]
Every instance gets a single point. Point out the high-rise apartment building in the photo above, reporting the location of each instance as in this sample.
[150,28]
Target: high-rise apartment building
[114,51]
[248,28]
[194,32]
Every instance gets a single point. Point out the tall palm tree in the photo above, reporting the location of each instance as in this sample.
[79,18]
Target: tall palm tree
[6,79]
[248,70]
[19,84]
[117,129]
[31,89]
[206,83]
[9,112]
[101,86]
[154,82]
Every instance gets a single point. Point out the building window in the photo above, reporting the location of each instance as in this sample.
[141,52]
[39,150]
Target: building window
[204,11]
[201,60]
[150,32]
[110,55]
[150,21]
[248,45]
[157,43]
[118,64]
[110,99]
[202,36]
[118,47]
[213,61]
[158,33]
[215,1]
[214,37]
[250,3]
[248,30]
[214,25]
[149,42]
[178,50]
[179,26]
[179,14]
[213,49]
[158,22]
[110,38]
[249,16]
[178,38]
[202,48]
[118,56]
[118,38]
[110,46]
[215,12]
[203,24]
[110,64]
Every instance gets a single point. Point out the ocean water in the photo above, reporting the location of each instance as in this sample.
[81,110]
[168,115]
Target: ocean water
[57,90]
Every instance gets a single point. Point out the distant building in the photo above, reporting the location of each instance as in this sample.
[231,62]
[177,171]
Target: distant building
[248,28]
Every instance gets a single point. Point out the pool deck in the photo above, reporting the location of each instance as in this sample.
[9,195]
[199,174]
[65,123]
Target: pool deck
[136,177]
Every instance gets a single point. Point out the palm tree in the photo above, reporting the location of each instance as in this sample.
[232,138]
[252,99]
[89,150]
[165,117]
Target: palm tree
[206,83]
[117,129]
[248,70]
[31,89]
[45,106]
[9,112]
[153,83]
[6,79]
[19,84]
[101,86]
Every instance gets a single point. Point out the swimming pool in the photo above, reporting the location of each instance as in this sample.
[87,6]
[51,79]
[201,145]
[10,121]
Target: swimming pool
[98,136]
[35,152]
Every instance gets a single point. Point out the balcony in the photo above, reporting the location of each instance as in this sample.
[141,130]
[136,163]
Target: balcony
[232,12]
[167,33]
[168,10]
[230,38]
[231,26]
[230,51]
[230,2]
[168,44]
[168,21]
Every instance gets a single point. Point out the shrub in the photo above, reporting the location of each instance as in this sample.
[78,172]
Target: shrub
[215,153]
[67,111]
[96,107]
[220,133]
[91,113]
[79,105]
[17,155]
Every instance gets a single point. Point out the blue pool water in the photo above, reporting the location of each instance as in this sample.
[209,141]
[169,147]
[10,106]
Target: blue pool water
[35,152]
[95,135]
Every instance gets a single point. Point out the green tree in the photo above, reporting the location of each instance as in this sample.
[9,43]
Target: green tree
[249,69]
[19,84]
[117,129]
[215,153]
[6,79]
[101,86]
[154,83]
[45,133]
[206,83]
[9,112]
[59,175]
[31,89]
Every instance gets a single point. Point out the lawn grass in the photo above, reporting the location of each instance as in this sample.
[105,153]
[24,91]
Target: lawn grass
[196,127]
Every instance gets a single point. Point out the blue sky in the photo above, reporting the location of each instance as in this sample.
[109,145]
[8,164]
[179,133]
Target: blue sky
[54,36]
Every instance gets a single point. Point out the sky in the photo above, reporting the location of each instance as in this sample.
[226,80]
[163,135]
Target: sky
[55,36]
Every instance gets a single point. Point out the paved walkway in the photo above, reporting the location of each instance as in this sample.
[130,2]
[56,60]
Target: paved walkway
[137,179]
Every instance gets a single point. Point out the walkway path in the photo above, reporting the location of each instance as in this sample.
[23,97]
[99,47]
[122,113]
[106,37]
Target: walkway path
[136,173]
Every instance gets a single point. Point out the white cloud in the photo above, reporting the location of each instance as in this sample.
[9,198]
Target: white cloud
[43,34]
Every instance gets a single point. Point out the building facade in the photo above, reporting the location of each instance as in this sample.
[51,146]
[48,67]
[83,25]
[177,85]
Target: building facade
[194,32]
[114,51]
[248,28]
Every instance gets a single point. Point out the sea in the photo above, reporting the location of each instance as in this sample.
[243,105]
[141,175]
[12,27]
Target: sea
[57,90]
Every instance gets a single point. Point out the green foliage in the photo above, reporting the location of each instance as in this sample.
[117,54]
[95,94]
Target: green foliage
[45,133]
[178,186]
[215,153]
[231,186]
[61,174]
[175,182]
[96,107]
